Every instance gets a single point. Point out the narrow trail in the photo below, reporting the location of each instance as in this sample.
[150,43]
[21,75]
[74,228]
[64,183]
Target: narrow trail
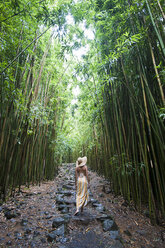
[44,217]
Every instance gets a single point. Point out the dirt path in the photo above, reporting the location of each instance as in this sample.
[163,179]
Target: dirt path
[43,217]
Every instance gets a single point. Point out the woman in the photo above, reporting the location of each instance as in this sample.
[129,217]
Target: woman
[82,184]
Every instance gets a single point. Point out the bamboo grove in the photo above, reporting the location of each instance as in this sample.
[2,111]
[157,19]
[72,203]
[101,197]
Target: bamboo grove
[32,85]
[126,74]
[117,119]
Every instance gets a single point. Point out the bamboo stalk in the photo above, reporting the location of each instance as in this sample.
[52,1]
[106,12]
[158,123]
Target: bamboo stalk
[155,27]
[157,74]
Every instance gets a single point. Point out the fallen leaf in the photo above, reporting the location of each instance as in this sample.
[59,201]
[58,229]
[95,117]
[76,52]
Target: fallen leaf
[87,229]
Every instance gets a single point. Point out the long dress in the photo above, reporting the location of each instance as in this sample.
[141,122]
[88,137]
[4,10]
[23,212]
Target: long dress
[82,191]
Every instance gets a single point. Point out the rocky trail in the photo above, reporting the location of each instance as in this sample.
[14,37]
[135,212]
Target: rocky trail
[44,217]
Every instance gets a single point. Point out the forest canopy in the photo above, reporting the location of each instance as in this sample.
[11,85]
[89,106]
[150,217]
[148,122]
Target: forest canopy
[84,78]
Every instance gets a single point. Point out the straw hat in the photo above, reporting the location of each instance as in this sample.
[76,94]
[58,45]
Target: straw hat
[81,162]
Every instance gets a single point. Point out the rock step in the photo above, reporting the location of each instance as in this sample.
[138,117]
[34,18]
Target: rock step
[92,240]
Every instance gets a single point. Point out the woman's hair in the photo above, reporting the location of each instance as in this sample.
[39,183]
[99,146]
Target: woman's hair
[79,161]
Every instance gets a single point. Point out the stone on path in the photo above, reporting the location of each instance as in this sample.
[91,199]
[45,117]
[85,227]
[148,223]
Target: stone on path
[84,219]
[109,225]
[60,231]
[59,199]
[65,210]
[11,214]
[87,240]
[68,187]
[104,217]
[114,234]
[57,222]
[62,206]
[99,207]
[117,244]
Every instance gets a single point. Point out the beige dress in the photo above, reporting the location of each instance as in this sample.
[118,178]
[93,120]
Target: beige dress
[82,191]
